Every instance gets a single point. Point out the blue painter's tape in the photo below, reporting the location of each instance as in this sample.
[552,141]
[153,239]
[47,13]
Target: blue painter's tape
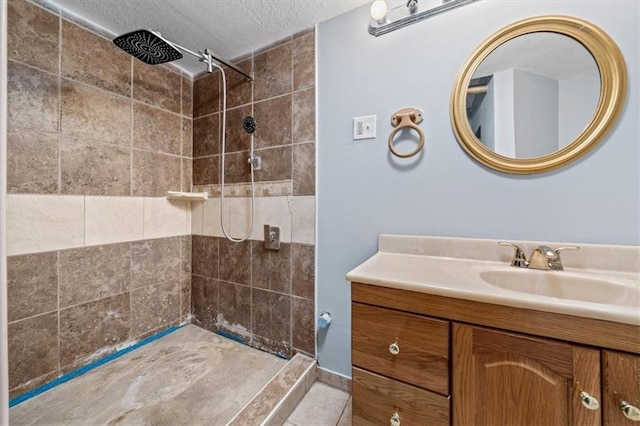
[66,377]
[231,336]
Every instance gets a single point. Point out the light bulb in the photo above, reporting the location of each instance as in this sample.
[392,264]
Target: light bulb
[378,10]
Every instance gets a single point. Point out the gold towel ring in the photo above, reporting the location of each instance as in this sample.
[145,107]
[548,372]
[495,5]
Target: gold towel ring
[406,118]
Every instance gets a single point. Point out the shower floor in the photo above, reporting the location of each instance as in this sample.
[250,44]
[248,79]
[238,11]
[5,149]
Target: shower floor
[191,376]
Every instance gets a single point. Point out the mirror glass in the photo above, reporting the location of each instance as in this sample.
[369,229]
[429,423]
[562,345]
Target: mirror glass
[533,95]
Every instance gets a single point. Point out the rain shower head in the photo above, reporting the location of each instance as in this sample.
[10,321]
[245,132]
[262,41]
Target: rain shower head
[147,46]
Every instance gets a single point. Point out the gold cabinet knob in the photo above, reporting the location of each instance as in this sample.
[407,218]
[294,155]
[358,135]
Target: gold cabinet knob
[395,419]
[394,349]
[630,412]
[589,401]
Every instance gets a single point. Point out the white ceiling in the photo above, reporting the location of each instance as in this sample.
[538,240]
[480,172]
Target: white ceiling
[229,28]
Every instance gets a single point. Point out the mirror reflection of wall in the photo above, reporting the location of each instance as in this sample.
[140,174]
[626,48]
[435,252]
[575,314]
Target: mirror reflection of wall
[533,95]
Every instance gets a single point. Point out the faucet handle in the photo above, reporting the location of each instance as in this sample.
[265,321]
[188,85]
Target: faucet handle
[559,249]
[519,257]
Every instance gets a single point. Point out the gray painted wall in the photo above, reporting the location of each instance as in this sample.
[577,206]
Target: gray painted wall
[577,104]
[364,191]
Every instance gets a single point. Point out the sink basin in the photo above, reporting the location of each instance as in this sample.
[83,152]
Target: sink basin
[563,285]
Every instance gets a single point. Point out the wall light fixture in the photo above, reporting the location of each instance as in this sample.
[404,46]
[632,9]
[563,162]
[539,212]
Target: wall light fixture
[385,20]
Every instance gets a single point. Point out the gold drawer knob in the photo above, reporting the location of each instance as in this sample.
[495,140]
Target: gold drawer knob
[395,420]
[630,412]
[589,401]
[394,349]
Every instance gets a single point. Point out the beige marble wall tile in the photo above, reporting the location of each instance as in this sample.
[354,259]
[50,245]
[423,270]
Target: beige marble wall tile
[197,217]
[32,98]
[304,115]
[38,223]
[156,130]
[154,174]
[113,219]
[274,211]
[90,168]
[88,331]
[276,164]
[237,213]
[187,96]
[187,137]
[93,114]
[236,138]
[33,35]
[206,94]
[206,136]
[211,217]
[304,220]
[274,122]
[303,276]
[33,348]
[94,60]
[304,169]
[154,261]
[32,161]
[164,218]
[154,306]
[157,86]
[91,273]
[273,72]
[238,87]
[304,61]
[32,290]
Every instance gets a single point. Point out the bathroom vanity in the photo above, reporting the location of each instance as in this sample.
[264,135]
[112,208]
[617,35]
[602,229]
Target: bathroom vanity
[437,339]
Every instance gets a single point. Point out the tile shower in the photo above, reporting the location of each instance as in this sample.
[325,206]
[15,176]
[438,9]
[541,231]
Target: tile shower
[97,257]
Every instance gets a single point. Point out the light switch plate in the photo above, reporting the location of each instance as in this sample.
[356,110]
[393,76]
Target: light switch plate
[364,127]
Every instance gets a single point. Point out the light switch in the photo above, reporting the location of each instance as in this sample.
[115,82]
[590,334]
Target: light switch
[364,127]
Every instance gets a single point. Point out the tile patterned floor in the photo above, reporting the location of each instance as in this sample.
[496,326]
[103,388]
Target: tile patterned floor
[323,405]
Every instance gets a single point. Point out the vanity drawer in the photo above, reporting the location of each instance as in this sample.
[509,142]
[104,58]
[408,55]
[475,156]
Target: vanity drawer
[376,399]
[422,358]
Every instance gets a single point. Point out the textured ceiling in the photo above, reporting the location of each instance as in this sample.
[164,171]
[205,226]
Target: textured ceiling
[229,28]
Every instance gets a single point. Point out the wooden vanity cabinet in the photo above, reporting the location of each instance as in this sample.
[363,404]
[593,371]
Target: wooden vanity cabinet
[468,363]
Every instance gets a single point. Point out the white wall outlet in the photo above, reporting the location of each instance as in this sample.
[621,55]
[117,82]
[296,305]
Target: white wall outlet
[364,127]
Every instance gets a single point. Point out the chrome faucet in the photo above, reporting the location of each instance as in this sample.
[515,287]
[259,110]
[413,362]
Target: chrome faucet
[543,257]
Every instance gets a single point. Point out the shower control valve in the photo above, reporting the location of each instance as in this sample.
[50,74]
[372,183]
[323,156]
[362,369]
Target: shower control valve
[256,162]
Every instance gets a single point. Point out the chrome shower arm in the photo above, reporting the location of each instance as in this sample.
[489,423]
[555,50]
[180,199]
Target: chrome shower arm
[206,56]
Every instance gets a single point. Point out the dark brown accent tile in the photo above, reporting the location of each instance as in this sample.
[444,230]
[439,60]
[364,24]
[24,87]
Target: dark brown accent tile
[310,30]
[303,332]
[154,306]
[93,114]
[32,162]
[304,169]
[204,301]
[187,137]
[33,348]
[237,168]
[32,98]
[235,261]
[32,284]
[271,315]
[153,261]
[304,61]
[204,255]
[185,298]
[157,86]
[206,135]
[206,94]
[94,60]
[187,174]
[185,255]
[235,306]
[33,383]
[282,349]
[187,96]
[156,130]
[238,87]
[277,43]
[87,328]
[155,174]
[236,138]
[273,118]
[205,170]
[304,116]
[271,269]
[303,276]
[276,164]
[90,168]
[273,72]
[92,273]
[33,35]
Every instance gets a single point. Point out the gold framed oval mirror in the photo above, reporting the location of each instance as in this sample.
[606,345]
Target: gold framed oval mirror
[499,114]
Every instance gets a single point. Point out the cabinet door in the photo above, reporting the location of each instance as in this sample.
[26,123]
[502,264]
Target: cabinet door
[501,378]
[620,382]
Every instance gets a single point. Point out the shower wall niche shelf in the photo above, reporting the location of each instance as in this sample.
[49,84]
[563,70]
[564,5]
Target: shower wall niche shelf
[187,196]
